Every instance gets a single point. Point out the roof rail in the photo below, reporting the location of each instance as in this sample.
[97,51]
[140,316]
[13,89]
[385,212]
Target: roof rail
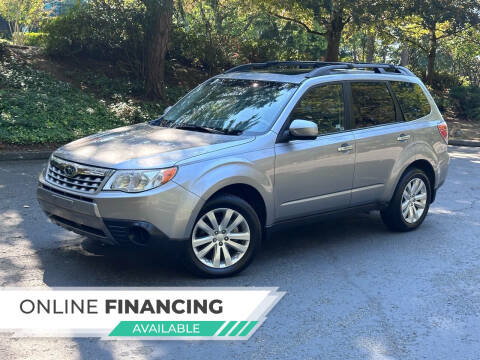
[265,65]
[323,68]
[379,68]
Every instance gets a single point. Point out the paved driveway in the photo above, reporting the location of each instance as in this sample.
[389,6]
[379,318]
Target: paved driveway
[354,290]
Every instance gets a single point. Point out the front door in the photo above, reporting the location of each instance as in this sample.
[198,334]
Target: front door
[313,176]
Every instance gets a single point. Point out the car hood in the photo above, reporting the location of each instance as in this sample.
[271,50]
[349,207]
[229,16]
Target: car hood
[144,146]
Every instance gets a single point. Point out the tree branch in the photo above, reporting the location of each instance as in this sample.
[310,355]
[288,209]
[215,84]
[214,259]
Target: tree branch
[298,22]
[249,22]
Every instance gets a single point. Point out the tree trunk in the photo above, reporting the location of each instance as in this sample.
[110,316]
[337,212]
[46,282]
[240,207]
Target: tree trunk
[432,53]
[181,12]
[404,55]
[370,48]
[157,47]
[334,35]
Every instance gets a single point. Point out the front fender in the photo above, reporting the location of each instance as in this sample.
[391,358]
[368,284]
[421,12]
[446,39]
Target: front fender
[206,178]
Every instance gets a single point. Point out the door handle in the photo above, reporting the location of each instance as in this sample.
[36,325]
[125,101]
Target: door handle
[403,137]
[345,147]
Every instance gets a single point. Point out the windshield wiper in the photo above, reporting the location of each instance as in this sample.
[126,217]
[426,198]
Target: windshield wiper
[208,129]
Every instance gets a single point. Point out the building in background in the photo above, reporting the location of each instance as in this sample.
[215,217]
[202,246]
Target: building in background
[59,7]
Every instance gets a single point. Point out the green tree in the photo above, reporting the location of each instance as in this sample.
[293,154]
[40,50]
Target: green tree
[423,23]
[326,18]
[21,13]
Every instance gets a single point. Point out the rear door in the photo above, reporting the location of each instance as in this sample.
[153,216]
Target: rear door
[314,176]
[381,136]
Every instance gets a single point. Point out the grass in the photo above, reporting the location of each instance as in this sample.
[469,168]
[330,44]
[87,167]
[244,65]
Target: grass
[37,108]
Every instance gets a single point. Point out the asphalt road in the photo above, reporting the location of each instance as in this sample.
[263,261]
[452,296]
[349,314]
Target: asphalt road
[354,289]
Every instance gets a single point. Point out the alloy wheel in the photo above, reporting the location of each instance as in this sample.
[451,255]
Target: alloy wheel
[220,238]
[414,200]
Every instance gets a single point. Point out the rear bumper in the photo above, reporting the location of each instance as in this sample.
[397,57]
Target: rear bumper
[150,218]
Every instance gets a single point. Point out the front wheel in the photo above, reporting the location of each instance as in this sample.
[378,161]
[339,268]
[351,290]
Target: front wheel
[225,237]
[410,202]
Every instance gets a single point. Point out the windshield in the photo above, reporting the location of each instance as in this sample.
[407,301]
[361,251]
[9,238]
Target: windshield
[229,106]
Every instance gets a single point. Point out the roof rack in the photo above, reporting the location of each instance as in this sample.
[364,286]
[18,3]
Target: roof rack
[269,64]
[323,68]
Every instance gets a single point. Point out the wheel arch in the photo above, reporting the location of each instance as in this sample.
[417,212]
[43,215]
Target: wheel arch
[248,193]
[423,165]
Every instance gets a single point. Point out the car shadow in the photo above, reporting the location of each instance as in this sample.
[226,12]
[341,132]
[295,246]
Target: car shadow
[91,263]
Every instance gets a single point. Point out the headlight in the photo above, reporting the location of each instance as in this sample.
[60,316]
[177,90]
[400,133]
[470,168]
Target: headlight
[139,180]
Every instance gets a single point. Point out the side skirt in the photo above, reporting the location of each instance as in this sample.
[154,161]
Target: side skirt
[314,218]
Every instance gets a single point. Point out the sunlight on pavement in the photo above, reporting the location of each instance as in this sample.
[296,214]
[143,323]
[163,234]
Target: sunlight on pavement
[375,349]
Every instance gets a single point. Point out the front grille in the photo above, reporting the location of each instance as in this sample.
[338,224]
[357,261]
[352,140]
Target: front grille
[75,177]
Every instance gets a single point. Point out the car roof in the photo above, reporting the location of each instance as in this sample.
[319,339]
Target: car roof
[296,72]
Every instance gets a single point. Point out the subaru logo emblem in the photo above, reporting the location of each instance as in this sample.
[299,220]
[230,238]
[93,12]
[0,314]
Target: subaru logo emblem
[70,170]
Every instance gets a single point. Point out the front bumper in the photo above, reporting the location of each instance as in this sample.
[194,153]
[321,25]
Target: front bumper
[151,217]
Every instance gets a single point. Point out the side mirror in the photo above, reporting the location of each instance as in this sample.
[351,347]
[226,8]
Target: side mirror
[167,109]
[303,130]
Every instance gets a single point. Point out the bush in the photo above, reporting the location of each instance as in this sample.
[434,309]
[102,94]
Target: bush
[466,100]
[444,81]
[35,39]
[100,29]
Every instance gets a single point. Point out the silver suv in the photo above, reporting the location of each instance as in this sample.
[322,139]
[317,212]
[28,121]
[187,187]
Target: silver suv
[258,147]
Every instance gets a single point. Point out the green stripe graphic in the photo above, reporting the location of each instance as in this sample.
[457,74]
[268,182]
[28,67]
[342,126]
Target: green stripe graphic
[167,328]
[247,329]
[227,328]
[239,327]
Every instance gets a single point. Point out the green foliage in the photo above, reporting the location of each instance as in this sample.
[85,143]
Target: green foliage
[209,36]
[101,29]
[21,13]
[35,39]
[35,108]
[466,100]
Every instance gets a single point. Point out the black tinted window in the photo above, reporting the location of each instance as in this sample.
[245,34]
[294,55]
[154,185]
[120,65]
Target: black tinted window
[372,104]
[322,105]
[412,100]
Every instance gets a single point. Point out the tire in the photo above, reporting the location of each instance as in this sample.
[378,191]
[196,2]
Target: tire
[394,217]
[235,253]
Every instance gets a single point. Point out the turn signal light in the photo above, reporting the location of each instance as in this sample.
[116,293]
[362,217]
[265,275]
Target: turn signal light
[443,130]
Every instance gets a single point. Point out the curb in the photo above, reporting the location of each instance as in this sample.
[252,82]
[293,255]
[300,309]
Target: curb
[464,143]
[24,155]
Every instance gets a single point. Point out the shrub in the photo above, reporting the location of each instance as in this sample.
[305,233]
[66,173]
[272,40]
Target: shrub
[35,39]
[100,29]
[466,100]
[443,81]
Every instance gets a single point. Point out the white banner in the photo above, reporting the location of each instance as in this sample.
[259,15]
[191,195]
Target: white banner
[129,313]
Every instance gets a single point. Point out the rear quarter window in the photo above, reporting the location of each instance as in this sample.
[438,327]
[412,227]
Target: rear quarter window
[412,100]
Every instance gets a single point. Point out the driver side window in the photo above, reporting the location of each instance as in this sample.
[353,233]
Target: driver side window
[324,106]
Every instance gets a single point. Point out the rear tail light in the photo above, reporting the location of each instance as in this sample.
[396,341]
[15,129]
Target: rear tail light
[443,130]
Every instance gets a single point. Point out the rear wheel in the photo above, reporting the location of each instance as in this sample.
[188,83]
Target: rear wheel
[410,203]
[225,237]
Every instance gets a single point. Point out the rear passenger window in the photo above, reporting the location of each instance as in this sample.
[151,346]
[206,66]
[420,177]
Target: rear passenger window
[324,106]
[372,104]
[412,100]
